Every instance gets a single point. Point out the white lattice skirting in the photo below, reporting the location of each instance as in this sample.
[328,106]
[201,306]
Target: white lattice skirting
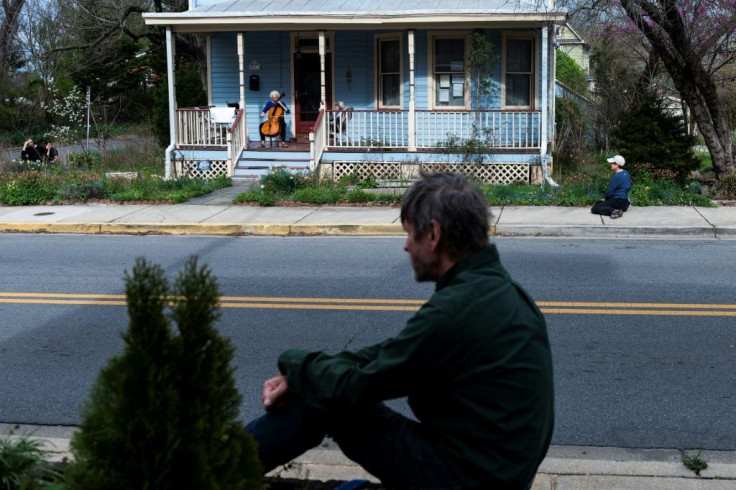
[490,173]
[202,168]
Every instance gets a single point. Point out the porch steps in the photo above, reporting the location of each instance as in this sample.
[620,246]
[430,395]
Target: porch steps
[252,168]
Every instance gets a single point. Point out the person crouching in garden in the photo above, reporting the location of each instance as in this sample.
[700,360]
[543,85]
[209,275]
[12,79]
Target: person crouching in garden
[617,192]
[31,152]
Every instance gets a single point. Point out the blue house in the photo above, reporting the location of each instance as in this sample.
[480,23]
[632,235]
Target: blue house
[400,68]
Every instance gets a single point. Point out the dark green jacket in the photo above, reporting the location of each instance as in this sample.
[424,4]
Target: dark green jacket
[476,367]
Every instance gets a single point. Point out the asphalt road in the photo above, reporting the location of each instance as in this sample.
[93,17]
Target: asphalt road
[642,331]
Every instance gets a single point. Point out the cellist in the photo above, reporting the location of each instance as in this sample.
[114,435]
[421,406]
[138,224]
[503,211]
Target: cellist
[275,124]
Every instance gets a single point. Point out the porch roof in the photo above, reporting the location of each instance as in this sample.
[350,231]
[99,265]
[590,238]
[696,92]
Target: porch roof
[354,14]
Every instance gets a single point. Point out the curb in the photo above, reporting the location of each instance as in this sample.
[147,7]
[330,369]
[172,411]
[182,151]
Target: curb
[565,467]
[206,229]
[599,231]
[345,229]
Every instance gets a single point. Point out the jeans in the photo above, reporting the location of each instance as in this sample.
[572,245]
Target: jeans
[395,449]
[606,207]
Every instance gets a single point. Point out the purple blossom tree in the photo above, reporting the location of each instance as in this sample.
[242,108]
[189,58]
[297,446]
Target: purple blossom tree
[694,40]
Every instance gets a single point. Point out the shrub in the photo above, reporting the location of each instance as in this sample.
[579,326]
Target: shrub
[725,188]
[163,414]
[259,197]
[317,195]
[649,134]
[281,182]
[83,160]
[572,133]
[27,188]
[570,73]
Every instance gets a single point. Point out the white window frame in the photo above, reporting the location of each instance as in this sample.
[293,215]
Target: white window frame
[533,75]
[431,85]
[379,38]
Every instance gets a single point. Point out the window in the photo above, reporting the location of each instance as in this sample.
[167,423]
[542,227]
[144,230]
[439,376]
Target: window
[449,71]
[389,72]
[519,78]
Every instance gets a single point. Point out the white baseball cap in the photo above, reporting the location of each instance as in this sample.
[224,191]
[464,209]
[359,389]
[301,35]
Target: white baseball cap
[618,160]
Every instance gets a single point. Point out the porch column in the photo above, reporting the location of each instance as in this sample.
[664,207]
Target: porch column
[241,72]
[544,152]
[543,92]
[412,115]
[170,46]
[322,77]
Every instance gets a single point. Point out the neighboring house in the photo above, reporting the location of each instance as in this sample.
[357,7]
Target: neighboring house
[401,69]
[572,44]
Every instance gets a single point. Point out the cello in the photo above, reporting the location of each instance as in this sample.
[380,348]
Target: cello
[271,127]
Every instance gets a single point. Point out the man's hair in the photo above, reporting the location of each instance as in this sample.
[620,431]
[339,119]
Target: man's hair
[458,206]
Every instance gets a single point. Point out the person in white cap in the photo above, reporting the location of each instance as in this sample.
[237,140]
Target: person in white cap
[617,192]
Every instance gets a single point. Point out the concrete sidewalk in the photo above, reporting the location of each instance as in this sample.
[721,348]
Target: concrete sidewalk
[564,468]
[216,215]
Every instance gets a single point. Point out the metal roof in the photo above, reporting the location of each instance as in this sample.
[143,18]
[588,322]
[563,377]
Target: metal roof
[328,14]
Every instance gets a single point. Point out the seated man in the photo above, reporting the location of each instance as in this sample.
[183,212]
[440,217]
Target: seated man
[617,192]
[474,362]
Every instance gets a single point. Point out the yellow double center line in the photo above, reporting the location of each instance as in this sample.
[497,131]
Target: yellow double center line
[361,304]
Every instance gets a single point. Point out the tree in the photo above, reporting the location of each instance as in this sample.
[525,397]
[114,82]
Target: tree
[694,40]
[163,413]
[570,73]
[652,138]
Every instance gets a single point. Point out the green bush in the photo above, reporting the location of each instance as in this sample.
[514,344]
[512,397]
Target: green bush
[281,182]
[359,195]
[570,73]
[163,414]
[83,160]
[649,135]
[27,188]
[317,195]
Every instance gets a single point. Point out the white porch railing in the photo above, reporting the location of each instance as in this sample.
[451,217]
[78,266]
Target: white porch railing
[366,129]
[317,140]
[236,140]
[498,129]
[197,127]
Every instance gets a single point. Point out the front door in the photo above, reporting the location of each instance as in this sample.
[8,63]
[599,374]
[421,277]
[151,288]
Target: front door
[307,89]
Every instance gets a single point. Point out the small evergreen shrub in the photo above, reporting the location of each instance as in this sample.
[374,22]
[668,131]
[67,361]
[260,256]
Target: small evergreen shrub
[649,134]
[163,414]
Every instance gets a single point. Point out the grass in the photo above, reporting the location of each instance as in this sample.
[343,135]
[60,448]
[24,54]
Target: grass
[577,189]
[693,461]
[80,177]
[23,465]
[309,188]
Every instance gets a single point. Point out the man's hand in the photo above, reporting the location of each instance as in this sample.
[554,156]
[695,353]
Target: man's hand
[274,391]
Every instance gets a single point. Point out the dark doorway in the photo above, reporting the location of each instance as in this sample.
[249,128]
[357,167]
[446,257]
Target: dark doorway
[307,88]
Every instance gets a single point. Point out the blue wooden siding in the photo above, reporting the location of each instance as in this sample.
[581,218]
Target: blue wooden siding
[271,51]
[353,51]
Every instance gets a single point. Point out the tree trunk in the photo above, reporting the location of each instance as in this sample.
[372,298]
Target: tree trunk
[8,31]
[671,43]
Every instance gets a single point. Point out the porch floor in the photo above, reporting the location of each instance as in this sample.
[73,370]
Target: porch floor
[300,144]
